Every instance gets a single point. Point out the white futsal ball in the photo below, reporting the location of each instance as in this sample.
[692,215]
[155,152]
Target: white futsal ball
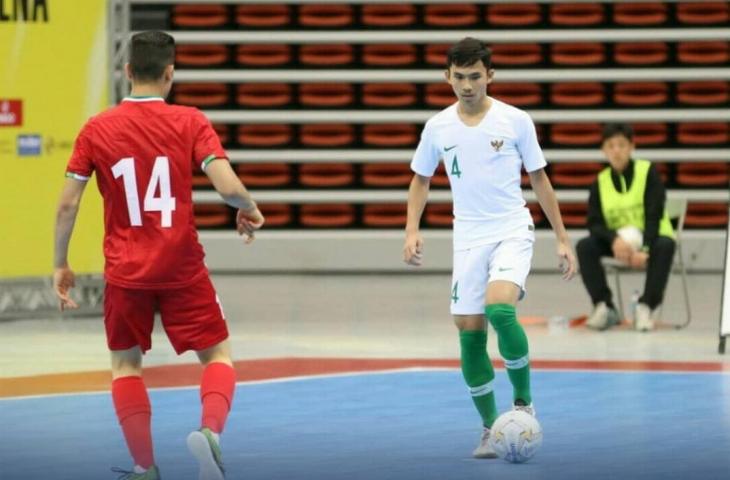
[516,436]
[631,235]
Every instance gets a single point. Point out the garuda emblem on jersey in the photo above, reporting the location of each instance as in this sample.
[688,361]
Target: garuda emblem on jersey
[497,144]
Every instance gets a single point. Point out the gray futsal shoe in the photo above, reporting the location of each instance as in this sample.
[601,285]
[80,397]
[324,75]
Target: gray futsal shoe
[484,450]
[602,317]
[206,450]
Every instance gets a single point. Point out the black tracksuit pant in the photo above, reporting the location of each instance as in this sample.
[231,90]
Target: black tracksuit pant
[659,265]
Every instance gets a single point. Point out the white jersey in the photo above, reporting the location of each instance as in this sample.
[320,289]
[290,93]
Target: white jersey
[484,166]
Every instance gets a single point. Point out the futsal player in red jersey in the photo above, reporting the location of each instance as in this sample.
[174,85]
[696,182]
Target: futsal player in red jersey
[144,152]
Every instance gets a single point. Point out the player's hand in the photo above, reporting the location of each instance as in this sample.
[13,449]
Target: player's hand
[639,259]
[248,221]
[413,249]
[622,251]
[567,263]
[63,281]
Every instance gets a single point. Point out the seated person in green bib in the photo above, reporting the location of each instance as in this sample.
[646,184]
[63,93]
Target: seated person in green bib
[626,220]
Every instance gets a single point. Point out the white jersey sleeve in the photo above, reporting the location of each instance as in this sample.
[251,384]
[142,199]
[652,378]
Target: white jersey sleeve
[426,159]
[530,151]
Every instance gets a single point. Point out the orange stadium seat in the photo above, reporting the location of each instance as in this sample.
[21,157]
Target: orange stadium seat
[264,174]
[640,14]
[713,52]
[578,53]
[263,94]
[577,94]
[201,55]
[518,94]
[326,94]
[435,54]
[703,174]
[516,54]
[663,171]
[710,133]
[201,94]
[650,133]
[211,215]
[388,15]
[574,214]
[514,14]
[325,15]
[264,135]
[327,215]
[263,55]
[538,216]
[325,55]
[703,93]
[389,54]
[703,13]
[640,94]
[326,174]
[576,14]
[440,179]
[641,53]
[389,94]
[706,215]
[276,214]
[451,15]
[390,135]
[574,174]
[386,174]
[199,16]
[200,179]
[271,15]
[385,215]
[326,135]
[576,134]
[439,215]
[440,95]
[224,133]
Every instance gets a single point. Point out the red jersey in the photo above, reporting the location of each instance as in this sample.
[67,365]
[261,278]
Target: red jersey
[143,152]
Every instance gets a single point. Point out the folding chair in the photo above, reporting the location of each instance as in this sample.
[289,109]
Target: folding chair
[677,211]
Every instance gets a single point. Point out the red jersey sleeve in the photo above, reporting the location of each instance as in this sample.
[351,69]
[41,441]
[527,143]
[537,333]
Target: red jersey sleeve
[80,165]
[207,146]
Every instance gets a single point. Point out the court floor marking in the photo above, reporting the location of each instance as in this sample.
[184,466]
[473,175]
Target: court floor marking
[18,384]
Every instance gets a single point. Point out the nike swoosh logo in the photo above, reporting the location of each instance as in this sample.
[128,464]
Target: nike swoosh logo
[504,269]
[450,148]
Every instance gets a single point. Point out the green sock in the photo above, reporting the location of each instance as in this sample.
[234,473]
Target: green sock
[513,347]
[478,373]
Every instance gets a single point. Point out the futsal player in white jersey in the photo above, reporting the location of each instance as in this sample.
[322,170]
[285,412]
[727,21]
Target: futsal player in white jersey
[484,143]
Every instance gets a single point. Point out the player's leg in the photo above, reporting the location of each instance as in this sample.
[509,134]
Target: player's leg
[194,320]
[589,251]
[467,303]
[658,268]
[128,319]
[509,265]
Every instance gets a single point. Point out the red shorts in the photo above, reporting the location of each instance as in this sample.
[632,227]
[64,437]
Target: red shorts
[191,316]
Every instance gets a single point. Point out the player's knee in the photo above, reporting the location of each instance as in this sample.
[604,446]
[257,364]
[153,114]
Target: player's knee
[665,245]
[586,247]
[501,315]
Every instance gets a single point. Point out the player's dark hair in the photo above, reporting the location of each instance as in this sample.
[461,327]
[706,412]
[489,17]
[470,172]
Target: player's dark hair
[467,52]
[149,54]
[613,129]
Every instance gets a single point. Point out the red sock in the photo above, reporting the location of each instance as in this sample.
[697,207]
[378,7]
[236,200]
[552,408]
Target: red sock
[216,394]
[134,413]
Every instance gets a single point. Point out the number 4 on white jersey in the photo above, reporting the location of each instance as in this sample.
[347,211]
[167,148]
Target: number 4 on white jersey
[165,203]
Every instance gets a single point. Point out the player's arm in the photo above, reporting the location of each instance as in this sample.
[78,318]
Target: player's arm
[549,204]
[417,196]
[229,187]
[68,208]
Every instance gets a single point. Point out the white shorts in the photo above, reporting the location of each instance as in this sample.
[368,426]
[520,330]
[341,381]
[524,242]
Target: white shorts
[474,268]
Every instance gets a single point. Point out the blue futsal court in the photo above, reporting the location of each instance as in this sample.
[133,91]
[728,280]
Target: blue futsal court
[405,425]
